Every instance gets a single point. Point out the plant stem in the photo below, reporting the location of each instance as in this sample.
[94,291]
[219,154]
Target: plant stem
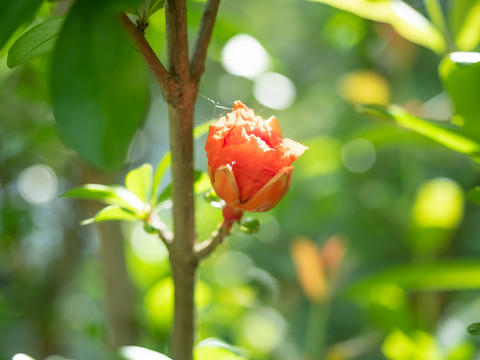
[119,291]
[317,329]
[180,118]
[177,40]
[206,247]
[180,88]
[182,259]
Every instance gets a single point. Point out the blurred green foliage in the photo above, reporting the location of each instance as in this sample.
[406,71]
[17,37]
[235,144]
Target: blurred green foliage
[407,285]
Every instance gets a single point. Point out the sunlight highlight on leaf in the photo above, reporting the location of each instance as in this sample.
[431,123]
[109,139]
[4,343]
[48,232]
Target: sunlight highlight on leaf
[216,349]
[439,204]
[112,212]
[439,276]
[419,345]
[405,20]
[139,181]
[469,34]
[140,353]
[460,73]
[113,195]
[453,137]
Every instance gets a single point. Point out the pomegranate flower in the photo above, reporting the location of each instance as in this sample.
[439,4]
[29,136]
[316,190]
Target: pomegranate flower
[249,164]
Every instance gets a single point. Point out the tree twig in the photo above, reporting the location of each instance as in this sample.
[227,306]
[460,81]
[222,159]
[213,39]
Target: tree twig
[206,247]
[153,62]
[160,228]
[197,63]
[165,235]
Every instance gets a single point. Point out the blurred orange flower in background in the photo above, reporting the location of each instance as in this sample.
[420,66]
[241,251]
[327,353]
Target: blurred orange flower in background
[249,164]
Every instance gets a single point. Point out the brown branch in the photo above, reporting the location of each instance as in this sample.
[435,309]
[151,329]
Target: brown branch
[206,247]
[165,235]
[180,92]
[153,62]
[197,63]
[177,39]
[184,264]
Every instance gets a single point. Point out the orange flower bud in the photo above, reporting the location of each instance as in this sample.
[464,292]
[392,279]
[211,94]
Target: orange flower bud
[310,268]
[248,161]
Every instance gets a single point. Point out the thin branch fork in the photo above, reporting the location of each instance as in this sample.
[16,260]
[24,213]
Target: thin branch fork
[180,86]
[197,63]
[160,228]
[177,35]
[206,247]
[153,62]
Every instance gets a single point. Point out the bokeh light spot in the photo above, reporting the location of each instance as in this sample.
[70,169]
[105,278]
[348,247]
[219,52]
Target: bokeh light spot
[373,194]
[146,246]
[263,329]
[465,57]
[243,55]
[139,353]
[364,87]
[37,184]
[232,268]
[231,88]
[358,155]
[22,357]
[439,203]
[274,90]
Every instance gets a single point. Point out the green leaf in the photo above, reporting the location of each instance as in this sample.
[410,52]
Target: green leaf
[13,14]
[474,195]
[157,178]
[474,329]
[99,86]
[218,344]
[139,181]
[112,195]
[156,5]
[405,20]
[440,276]
[201,129]
[201,184]
[112,212]
[465,24]
[165,195]
[451,136]
[460,73]
[35,42]
[457,11]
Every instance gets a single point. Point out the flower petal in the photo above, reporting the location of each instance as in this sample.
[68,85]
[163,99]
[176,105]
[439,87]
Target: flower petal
[250,165]
[290,151]
[225,185]
[274,125]
[271,194]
